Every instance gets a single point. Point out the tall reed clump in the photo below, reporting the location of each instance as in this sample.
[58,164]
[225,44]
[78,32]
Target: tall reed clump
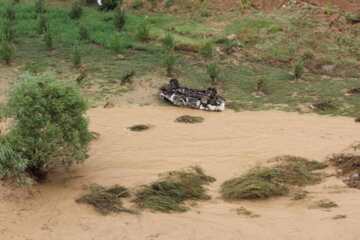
[48,39]
[115,43]
[298,70]
[40,6]
[213,70]
[265,182]
[170,193]
[43,24]
[76,55]
[169,53]
[119,17]
[143,31]
[7,48]
[207,49]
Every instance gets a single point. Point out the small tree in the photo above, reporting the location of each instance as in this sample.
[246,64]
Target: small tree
[8,32]
[213,69]
[115,43]
[169,61]
[299,69]
[9,13]
[76,10]
[206,49]
[48,39]
[168,43]
[84,33]
[119,18]
[110,4]
[143,31]
[76,55]
[43,24]
[7,51]
[40,6]
[48,129]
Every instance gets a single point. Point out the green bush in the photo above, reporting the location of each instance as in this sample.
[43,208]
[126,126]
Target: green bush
[274,28]
[48,126]
[115,43]
[119,18]
[299,69]
[76,55]
[169,62]
[76,10]
[84,33]
[48,39]
[143,31]
[7,51]
[43,24]
[8,32]
[110,4]
[40,6]
[213,69]
[169,3]
[168,42]
[9,13]
[206,49]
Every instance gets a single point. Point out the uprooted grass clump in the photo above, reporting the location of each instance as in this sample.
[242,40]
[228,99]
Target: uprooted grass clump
[169,193]
[324,203]
[348,165]
[323,105]
[139,127]
[264,182]
[189,119]
[106,200]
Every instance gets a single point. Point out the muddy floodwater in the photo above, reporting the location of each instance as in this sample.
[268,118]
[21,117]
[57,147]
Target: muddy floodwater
[224,145]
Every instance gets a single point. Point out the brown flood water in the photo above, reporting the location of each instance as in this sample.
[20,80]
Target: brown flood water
[225,145]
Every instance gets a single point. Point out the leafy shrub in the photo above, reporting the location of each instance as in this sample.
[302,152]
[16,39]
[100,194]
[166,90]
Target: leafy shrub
[48,128]
[115,43]
[8,32]
[169,62]
[84,33]
[76,55]
[299,69]
[246,4]
[168,42]
[76,10]
[7,51]
[110,4]
[189,119]
[206,49]
[143,31]
[169,3]
[119,18]
[43,24]
[213,69]
[40,6]
[48,39]
[9,13]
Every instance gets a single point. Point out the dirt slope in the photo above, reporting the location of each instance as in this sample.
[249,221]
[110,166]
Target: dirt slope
[225,145]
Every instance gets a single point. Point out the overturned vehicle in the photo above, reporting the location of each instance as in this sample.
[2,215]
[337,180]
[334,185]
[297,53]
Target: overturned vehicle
[192,98]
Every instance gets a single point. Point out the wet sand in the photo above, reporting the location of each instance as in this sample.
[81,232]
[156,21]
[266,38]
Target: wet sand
[225,145]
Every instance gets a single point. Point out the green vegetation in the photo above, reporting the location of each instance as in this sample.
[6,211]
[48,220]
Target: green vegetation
[213,69]
[168,42]
[245,212]
[48,127]
[264,182]
[110,4]
[189,119]
[105,200]
[7,51]
[48,39]
[254,53]
[140,127]
[76,55]
[119,18]
[76,10]
[143,31]
[40,6]
[207,49]
[324,203]
[169,193]
[299,70]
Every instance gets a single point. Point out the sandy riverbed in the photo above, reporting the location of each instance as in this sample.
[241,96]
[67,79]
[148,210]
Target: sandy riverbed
[225,145]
